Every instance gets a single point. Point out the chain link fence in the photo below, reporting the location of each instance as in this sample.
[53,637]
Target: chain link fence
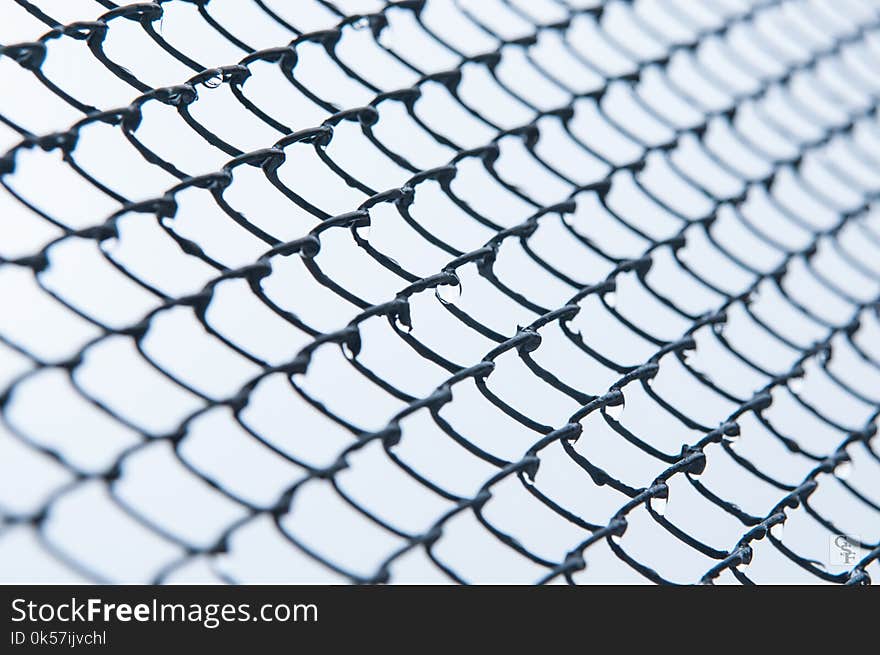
[435,290]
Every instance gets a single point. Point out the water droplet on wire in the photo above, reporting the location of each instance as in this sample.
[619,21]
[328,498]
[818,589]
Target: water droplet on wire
[347,351]
[843,470]
[214,81]
[448,294]
[403,327]
[616,411]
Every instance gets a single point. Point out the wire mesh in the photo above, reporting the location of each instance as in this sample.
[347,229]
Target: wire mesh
[262,269]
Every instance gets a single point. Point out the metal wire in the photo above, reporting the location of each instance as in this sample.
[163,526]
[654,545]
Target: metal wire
[840,35]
